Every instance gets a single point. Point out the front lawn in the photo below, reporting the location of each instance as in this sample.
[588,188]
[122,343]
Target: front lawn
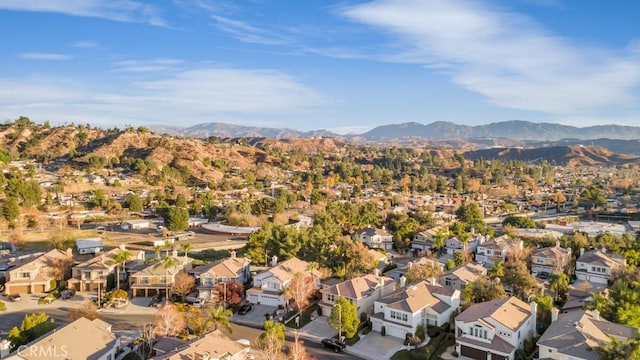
[441,340]
[304,319]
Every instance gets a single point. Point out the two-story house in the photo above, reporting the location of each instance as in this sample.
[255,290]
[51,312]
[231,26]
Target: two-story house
[269,285]
[422,303]
[574,335]
[89,274]
[422,242]
[361,291]
[375,238]
[495,329]
[212,346]
[34,275]
[222,271]
[597,266]
[454,244]
[81,339]
[550,260]
[155,279]
[460,276]
[496,249]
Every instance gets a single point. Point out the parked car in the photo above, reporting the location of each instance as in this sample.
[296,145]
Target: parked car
[333,344]
[245,309]
[15,297]
[543,275]
[67,294]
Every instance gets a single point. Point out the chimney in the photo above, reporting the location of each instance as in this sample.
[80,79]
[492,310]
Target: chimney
[409,265]
[233,254]
[554,314]
[604,250]
[382,286]
[174,253]
[122,247]
[596,314]
[376,272]
[557,244]
[274,260]
[432,280]
[403,281]
[69,252]
[534,317]
[581,251]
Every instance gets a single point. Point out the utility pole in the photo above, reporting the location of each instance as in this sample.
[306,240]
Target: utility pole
[339,322]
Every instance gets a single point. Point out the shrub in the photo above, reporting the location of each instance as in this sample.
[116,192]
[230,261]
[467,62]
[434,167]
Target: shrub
[390,266]
[420,332]
[119,294]
[53,284]
[3,307]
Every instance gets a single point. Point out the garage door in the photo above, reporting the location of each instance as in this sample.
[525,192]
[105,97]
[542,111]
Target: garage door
[269,300]
[38,289]
[18,289]
[398,332]
[473,353]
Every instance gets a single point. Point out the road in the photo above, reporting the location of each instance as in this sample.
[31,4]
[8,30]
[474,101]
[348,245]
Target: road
[133,322]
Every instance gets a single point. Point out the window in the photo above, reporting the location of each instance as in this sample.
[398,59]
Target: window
[399,316]
[144,280]
[163,279]
[25,275]
[331,297]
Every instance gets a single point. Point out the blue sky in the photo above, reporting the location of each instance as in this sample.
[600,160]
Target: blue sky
[346,66]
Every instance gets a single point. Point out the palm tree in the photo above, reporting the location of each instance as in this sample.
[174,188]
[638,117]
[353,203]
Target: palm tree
[166,263]
[186,247]
[120,259]
[559,283]
[157,249]
[168,245]
[218,316]
[312,267]
[497,270]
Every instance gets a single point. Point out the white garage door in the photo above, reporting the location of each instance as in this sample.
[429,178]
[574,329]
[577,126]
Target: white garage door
[270,300]
[396,332]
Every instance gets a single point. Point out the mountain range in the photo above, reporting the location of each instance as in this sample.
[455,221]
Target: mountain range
[514,130]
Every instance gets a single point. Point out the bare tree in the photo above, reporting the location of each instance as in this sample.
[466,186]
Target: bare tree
[16,237]
[61,267]
[169,321]
[145,346]
[297,351]
[300,290]
[88,310]
[183,284]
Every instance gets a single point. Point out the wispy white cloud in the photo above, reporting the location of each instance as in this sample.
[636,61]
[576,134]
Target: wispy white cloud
[116,10]
[184,97]
[248,33]
[143,66]
[509,58]
[44,56]
[85,44]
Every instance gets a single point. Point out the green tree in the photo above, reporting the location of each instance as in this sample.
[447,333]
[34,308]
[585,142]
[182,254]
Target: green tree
[176,219]
[344,317]
[134,203]
[186,247]
[559,285]
[10,209]
[120,258]
[272,339]
[521,222]
[497,270]
[518,277]
[274,239]
[617,349]
[33,326]
[471,215]
[218,316]
[482,290]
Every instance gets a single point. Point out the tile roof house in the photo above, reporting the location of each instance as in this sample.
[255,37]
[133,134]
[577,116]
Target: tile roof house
[496,249]
[34,274]
[87,275]
[212,346]
[454,244]
[552,260]
[361,291]
[596,266]
[222,271]
[423,241]
[375,238]
[269,285]
[494,329]
[154,279]
[81,339]
[422,303]
[575,335]
[460,276]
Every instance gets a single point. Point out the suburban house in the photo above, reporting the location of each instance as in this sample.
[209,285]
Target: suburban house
[574,335]
[550,260]
[361,291]
[494,330]
[596,266]
[136,224]
[32,275]
[155,279]
[496,249]
[375,238]
[212,346]
[398,272]
[269,285]
[89,246]
[222,271]
[460,276]
[423,241]
[422,303]
[90,274]
[81,339]
[454,244]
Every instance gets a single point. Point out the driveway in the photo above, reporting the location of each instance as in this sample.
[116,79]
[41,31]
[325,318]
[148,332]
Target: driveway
[255,317]
[319,329]
[375,346]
